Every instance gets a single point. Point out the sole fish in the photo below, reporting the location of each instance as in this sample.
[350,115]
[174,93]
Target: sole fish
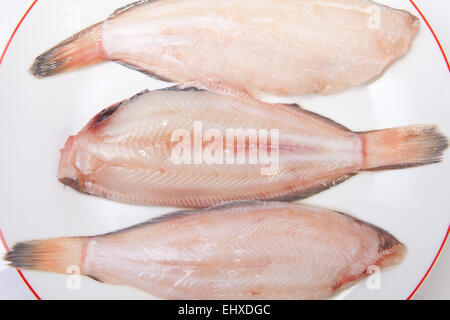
[231,147]
[248,250]
[272,46]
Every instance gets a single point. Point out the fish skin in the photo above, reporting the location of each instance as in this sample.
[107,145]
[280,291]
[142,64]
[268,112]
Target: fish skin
[239,251]
[259,46]
[125,152]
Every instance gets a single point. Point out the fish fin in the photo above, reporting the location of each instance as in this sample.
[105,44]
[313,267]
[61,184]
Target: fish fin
[187,212]
[81,50]
[182,213]
[219,87]
[72,183]
[162,218]
[169,216]
[222,88]
[183,89]
[135,67]
[129,7]
[323,118]
[237,204]
[313,190]
[402,147]
[52,255]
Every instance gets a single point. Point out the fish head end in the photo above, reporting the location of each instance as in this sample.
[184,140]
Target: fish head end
[68,174]
[392,252]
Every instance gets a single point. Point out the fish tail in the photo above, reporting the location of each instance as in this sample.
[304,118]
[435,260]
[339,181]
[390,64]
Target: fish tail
[403,147]
[81,50]
[52,255]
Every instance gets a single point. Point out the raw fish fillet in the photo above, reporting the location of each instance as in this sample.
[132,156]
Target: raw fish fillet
[129,151]
[249,250]
[274,46]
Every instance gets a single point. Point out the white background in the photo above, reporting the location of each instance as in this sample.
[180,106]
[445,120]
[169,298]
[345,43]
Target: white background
[437,285]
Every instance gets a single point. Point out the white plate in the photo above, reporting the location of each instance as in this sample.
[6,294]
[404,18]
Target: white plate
[39,115]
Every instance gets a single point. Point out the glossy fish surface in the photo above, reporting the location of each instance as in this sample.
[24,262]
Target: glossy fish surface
[247,250]
[189,147]
[272,46]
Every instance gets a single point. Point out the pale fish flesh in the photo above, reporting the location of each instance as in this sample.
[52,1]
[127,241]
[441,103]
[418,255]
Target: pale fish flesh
[133,152]
[273,46]
[249,250]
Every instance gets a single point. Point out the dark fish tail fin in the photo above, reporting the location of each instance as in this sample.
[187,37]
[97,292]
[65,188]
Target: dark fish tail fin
[52,255]
[81,50]
[403,147]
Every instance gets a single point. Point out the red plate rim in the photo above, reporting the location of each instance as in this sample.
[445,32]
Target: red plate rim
[448,229]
